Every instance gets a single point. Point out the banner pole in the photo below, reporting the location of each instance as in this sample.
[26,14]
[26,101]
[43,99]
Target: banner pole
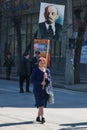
[48,46]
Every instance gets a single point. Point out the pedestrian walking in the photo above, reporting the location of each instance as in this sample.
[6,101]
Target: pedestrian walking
[40,78]
[9,62]
[24,72]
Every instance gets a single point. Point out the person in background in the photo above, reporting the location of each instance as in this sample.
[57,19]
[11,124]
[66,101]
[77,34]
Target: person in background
[24,72]
[34,61]
[9,62]
[40,79]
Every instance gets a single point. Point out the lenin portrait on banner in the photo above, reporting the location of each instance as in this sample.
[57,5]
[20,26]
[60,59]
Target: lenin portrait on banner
[50,21]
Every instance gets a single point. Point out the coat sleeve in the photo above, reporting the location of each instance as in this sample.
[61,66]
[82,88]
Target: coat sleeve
[33,77]
[49,76]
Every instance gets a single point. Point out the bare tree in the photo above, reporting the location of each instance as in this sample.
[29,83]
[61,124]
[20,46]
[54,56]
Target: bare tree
[80,24]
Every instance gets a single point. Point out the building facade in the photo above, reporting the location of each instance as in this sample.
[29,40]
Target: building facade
[19,23]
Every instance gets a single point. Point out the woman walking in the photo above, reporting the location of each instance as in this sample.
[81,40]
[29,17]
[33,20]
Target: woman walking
[40,78]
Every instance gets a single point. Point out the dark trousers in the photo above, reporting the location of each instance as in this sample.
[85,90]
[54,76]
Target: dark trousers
[23,78]
[8,73]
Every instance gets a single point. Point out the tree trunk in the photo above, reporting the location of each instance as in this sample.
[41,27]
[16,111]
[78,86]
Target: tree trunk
[77,61]
[78,54]
[80,27]
[18,32]
[17,24]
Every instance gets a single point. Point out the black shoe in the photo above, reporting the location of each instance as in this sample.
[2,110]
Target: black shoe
[21,91]
[38,119]
[28,91]
[43,120]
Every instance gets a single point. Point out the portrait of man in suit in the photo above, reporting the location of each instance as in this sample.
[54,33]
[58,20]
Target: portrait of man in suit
[49,28]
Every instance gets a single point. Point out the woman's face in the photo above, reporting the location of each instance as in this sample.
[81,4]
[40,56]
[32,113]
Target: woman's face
[41,63]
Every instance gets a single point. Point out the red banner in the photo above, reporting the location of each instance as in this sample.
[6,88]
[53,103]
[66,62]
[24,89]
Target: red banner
[43,45]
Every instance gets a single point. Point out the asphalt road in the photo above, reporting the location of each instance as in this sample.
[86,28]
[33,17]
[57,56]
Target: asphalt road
[17,111]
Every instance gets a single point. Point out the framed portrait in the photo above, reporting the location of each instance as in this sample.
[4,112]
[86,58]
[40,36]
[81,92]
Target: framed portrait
[60,9]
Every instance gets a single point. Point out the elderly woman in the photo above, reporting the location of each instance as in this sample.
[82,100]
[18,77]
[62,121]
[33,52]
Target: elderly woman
[40,78]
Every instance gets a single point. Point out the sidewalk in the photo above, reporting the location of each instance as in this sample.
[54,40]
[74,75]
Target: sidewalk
[57,119]
[77,87]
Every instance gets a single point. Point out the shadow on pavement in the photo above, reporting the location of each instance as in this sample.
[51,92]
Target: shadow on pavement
[18,123]
[75,126]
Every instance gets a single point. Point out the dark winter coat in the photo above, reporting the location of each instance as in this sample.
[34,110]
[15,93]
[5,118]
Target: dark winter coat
[40,94]
[24,67]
